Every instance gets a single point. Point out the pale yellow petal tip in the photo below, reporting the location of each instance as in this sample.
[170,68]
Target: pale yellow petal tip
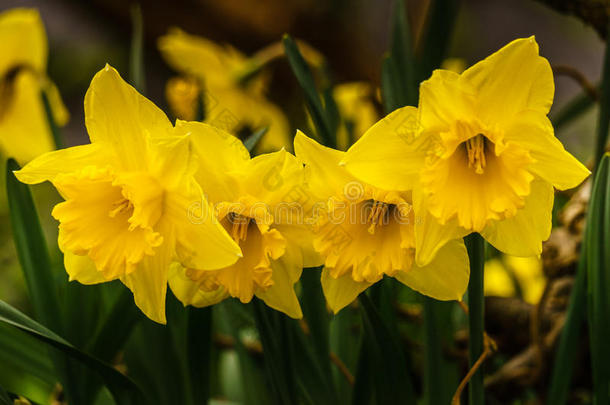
[343,162]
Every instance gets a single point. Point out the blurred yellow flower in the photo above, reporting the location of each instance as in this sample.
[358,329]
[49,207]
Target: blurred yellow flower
[504,275]
[128,196]
[250,197]
[481,156]
[24,128]
[364,232]
[356,109]
[228,83]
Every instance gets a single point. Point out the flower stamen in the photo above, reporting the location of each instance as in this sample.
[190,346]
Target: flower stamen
[475,147]
[377,215]
[239,230]
[119,207]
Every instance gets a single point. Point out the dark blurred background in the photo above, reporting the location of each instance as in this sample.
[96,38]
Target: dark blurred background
[352,34]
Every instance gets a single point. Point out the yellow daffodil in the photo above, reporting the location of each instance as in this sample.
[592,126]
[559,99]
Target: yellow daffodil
[364,232]
[250,198]
[357,111]
[234,96]
[24,127]
[479,153]
[128,195]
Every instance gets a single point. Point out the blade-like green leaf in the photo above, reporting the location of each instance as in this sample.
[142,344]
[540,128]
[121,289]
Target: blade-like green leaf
[603,123]
[199,352]
[435,40]
[55,132]
[596,241]
[301,70]
[388,364]
[476,253]
[276,338]
[253,139]
[398,73]
[122,388]
[136,55]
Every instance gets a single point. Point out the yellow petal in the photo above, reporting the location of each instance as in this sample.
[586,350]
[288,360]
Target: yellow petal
[326,177]
[444,99]
[390,154]
[523,234]
[301,235]
[342,291]
[278,136]
[24,131]
[218,153]
[196,55]
[82,269]
[272,176]
[534,131]
[202,243]
[49,165]
[148,282]
[122,119]
[512,80]
[22,40]
[286,272]
[444,278]
[188,291]
[430,234]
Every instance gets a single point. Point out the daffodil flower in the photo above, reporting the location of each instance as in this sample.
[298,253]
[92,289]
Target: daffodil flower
[356,108]
[234,98]
[479,153]
[252,200]
[364,232]
[24,127]
[129,197]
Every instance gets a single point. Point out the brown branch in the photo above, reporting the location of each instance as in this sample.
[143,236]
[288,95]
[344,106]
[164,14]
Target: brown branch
[595,13]
[578,77]
[488,348]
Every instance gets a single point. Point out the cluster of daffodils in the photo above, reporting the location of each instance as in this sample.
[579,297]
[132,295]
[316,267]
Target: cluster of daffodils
[154,204]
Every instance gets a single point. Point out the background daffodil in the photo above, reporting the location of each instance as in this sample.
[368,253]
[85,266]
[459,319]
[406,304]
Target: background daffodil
[128,195]
[364,232]
[250,199]
[231,85]
[24,127]
[479,153]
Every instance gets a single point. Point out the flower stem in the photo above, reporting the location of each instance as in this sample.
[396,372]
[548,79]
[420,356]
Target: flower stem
[476,253]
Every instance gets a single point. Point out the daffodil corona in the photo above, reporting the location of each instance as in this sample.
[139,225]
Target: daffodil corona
[479,153]
[24,128]
[364,233]
[250,198]
[128,196]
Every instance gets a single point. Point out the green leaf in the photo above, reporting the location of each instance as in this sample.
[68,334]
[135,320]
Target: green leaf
[398,70]
[597,237]
[55,132]
[392,383]
[604,108]
[433,354]
[136,54]
[116,327]
[122,388]
[32,251]
[199,352]
[476,253]
[301,70]
[232,317]
[276,338]
[252,140]
[363,382]
[26,368]
[436,36]
[4,398]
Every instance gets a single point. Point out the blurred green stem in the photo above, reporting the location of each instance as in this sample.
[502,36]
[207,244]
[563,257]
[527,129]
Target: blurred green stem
[604,109]
[476,253]
[433,353]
